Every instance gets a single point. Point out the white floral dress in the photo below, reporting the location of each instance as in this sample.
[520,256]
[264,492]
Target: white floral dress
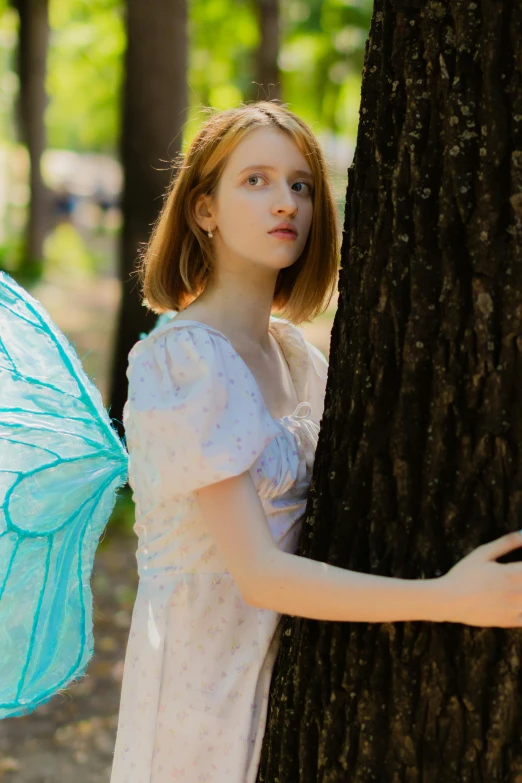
[199,659]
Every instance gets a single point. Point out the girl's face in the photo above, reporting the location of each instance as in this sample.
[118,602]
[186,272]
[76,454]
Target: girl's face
[266,181]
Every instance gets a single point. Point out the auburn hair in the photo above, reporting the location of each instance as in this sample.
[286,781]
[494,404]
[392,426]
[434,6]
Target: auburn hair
[177,261]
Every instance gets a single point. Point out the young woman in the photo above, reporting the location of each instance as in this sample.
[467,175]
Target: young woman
[222,422]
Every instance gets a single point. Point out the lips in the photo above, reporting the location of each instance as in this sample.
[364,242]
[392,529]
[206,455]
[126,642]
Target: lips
[286,229]
[283,235]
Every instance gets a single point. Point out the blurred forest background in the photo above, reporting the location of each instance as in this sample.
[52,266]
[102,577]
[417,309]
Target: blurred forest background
[96,99]
[75,126]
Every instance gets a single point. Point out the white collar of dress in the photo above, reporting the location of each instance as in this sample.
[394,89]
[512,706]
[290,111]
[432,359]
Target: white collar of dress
[289,337]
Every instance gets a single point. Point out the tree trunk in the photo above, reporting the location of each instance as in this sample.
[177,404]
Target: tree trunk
[154,112]
[32,100]
[418,460]
[267,84]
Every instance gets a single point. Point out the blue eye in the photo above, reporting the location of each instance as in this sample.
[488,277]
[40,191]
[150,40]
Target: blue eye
[307,185]
[258,176]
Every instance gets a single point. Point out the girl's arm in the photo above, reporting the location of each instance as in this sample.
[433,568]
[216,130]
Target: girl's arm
[477,591]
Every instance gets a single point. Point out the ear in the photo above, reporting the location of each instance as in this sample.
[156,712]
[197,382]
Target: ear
[204,212]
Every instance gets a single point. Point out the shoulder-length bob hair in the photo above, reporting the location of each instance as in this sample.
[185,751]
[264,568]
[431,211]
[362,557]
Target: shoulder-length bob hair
[178,260]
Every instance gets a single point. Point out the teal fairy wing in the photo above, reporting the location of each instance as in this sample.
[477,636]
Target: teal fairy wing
[160,321]
[61,464]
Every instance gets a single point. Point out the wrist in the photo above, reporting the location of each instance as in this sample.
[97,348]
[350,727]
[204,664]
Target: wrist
[438,600]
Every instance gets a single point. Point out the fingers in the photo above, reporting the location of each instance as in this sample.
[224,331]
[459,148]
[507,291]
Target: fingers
[500,546]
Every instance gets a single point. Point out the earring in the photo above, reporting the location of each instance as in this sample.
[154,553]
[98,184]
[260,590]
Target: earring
[209,232]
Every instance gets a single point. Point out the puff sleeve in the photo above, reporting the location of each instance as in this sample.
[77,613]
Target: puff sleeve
[194,414]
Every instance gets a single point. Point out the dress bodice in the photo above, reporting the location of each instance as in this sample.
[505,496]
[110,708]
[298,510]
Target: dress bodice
[194,416]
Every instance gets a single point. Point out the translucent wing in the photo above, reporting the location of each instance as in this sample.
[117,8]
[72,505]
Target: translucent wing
[160,321]
[61,463]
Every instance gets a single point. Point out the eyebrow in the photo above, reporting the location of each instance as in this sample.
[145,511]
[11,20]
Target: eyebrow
[299,172]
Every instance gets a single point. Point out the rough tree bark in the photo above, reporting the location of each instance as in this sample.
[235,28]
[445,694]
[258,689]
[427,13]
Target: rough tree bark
[418,460]
[154,112]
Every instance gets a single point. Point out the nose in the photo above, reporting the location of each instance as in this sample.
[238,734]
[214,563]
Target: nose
[286,201]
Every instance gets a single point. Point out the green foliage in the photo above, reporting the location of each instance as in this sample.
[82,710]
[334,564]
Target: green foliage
[11,250]
[223,35]
[321,46]
[321,57]
[8,76]
[123,515]
[84,74]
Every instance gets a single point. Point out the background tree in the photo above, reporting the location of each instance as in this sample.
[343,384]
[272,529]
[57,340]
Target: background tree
[418,459]
[33,40]
[154,111]
[267,79]
[321,43]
